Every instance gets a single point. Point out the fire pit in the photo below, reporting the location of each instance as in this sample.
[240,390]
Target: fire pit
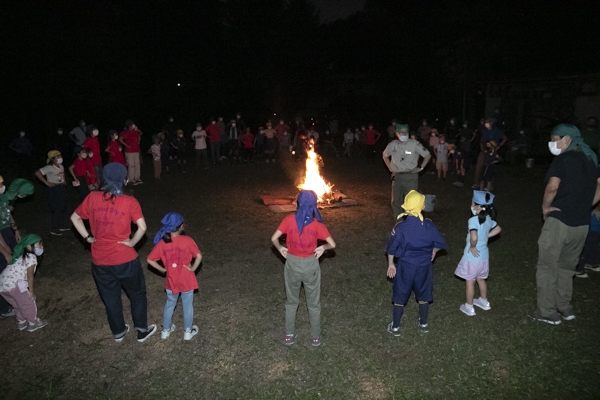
[327,197]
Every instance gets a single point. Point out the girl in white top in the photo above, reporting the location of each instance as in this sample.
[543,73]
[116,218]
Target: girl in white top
[53,176]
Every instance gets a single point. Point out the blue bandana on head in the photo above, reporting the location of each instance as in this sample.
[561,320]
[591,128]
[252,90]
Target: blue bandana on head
[170,222]
[483,198]
[114,174]
[307,209]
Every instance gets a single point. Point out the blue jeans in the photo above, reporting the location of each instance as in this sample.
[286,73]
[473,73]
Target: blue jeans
[129,277]
[187,300]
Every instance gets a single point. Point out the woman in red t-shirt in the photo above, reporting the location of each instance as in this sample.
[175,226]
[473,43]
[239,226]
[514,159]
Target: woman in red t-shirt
[176,251]
[303,229]
[115,263]
[93,144]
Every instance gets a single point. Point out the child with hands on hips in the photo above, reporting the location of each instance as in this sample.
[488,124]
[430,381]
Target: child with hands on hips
[16,282]
[303,229]
[414,243]
[474,265]
[176,251]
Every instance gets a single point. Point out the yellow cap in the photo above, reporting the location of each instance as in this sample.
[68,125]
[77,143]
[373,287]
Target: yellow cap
[52,154]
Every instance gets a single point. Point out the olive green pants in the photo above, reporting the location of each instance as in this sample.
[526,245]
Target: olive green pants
[305,271]
[560,246]
[401,185]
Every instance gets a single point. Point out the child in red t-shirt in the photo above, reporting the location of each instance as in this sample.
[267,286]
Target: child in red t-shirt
[303,229]
[83,172]
[176,251]
[247,141]
[114,148]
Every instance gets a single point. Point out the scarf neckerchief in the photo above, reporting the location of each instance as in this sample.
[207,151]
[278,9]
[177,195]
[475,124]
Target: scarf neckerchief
[19,188]
[307,209]
[413,205]
[170,222]
[20,247]
[114,174]
[563,130]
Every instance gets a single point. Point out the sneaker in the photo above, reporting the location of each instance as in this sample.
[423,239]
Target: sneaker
[119,338]
[290,339]
[468,309]
[316,341]
[21,325]
[569,317]
[553,320]
[475,186]
[143,336]
[581,274]
[189,335]
[138,182]
[10,313]
[40,323]
[66,229]
[595,268]
[56,233]
[165,334]
[392,330]
[482,303]
[424,328]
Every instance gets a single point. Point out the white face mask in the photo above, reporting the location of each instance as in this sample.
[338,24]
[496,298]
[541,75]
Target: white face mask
[474,210]
[554,148]
[38,251]
[60,131]
[22,134]
[84,155]
[2,189]
[403,138]
[59,161]
[95,132]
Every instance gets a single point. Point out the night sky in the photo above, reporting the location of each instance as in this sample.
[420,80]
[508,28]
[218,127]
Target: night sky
[371,60]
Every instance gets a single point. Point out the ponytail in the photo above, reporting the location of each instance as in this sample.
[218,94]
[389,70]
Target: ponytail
[486,210]
[167,236]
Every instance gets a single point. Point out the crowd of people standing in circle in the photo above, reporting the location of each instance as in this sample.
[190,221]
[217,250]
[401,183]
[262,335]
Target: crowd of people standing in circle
[110,212]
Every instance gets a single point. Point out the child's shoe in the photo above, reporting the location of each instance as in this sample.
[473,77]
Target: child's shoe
[40,323]
[143,336]
[468,309]
[290,339]
[166,333]
[316,341]
[581,274]
[392,330]
[120,337]
[424,328]
[595,268]
[21,325]
[189,335]
[482,303]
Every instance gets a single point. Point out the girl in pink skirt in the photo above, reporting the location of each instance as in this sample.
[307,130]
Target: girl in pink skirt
[474,265]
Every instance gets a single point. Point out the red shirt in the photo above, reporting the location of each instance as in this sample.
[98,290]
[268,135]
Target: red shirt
[174,256]
[110,222]
[372,135]
[90,176]
[248,140]
[213,133]
[280,129]
[132,139]
[93,144]
[116,155]
[302,245]
[79,167]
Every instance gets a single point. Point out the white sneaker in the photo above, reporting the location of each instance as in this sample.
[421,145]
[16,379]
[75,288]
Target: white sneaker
[165,334]
[482,303]
[189,335]
[467,309]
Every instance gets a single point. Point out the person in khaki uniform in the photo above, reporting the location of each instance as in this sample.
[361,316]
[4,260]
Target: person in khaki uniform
[402,159]
[572,188]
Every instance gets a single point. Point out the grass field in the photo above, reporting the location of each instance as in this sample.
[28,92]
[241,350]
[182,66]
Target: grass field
[240,305]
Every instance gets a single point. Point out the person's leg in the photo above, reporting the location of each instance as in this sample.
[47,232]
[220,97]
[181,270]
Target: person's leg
[293,282]
[482,288]
[550,247]
[312,291]
[478,168]
[26,306]
[130,167]
[100,178]
[137,173]
[187,301]
[109,289]
[573,240]
[7,298]
[131,277]
[169,308]
[588,254]
[470,286]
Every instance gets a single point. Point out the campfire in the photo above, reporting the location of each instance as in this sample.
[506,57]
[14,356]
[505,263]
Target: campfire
[313,179]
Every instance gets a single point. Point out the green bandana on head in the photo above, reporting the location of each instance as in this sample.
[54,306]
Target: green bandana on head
[563,130]
[20,247]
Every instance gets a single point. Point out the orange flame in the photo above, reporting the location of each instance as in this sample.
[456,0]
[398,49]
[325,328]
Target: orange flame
[313,179]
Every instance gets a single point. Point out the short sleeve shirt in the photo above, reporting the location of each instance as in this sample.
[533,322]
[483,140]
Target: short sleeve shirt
[16,272]
[110,222]
[54,174]
[405,155]
[483,230]
[413,241]
[578,177]
[132,139]
[199,139]
[442,152]
[174,255]
[302,245]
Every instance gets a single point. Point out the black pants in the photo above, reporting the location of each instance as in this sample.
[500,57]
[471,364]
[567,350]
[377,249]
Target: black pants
[57,202]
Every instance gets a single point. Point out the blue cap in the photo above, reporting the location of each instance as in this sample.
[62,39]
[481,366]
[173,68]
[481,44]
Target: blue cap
[482,198]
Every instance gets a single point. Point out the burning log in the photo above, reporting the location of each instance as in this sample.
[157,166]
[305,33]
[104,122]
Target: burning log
[313,179]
